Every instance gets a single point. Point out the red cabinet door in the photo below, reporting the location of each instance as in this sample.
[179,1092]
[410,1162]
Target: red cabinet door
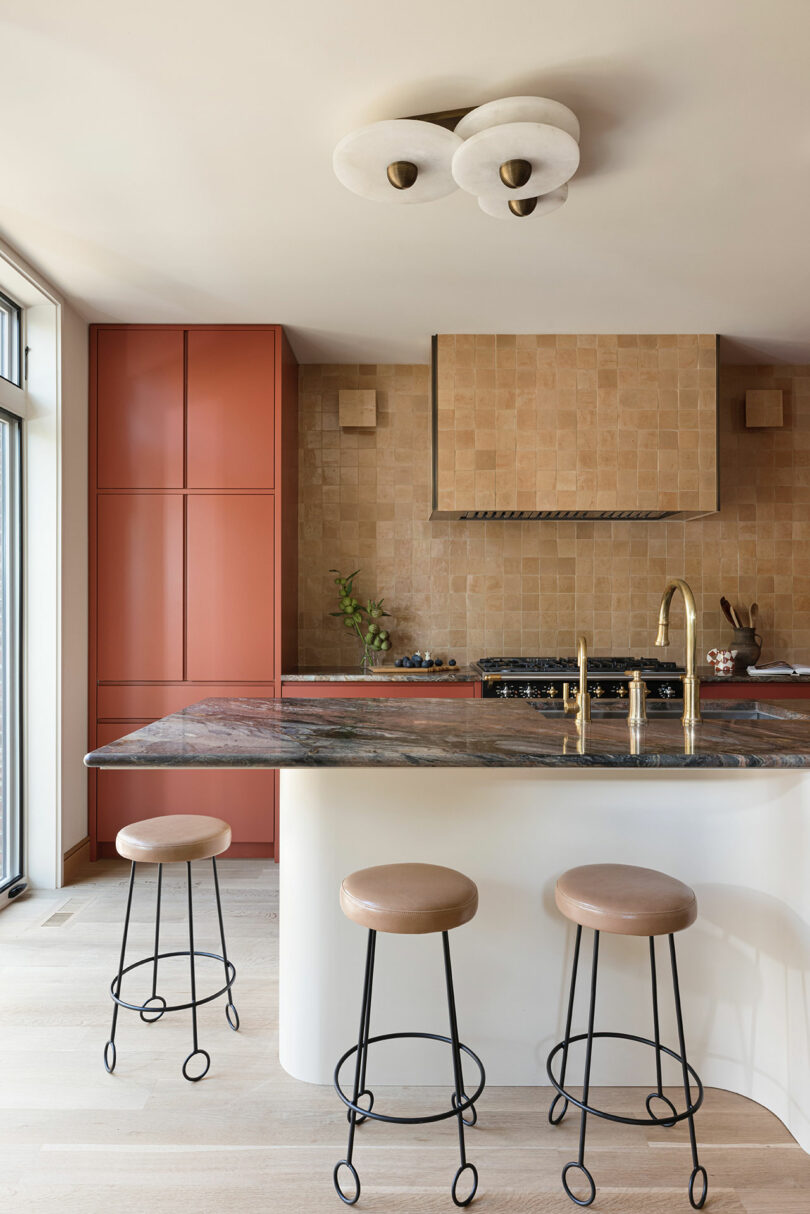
[244,799]
[231,417]
[139,616]
[229,612]
[139,385]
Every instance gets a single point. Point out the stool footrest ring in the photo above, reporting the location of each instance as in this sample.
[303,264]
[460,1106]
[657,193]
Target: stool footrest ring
[665,1122]
[465,1104]
[177,1007]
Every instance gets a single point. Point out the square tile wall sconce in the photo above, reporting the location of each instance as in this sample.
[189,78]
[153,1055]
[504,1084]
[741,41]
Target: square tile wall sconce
[763,407]
[357,408]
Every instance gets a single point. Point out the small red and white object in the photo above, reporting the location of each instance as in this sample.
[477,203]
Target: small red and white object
[722,660]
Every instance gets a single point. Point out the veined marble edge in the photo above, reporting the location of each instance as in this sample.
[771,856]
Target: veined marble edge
[335,733]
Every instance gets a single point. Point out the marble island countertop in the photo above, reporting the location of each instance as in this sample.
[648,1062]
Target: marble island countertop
[353,674]
[707,674]
[307,733]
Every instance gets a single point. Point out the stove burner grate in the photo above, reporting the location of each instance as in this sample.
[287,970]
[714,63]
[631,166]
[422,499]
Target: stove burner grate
[596,665]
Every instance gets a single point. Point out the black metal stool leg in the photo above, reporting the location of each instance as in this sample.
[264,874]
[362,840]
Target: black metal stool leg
[359,1074]
[658,1094]
[697,1168]
[363,1049]
[579,1163]
[556,1120]
[109,1062]
[155,1013]
[458,1078]
[191,957]
[231,1014]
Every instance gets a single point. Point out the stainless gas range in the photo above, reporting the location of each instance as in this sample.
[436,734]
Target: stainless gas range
[542,678]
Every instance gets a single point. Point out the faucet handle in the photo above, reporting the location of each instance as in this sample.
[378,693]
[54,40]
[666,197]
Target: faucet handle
[637,702]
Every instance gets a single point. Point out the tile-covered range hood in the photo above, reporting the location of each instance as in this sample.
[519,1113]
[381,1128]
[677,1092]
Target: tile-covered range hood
[567,426]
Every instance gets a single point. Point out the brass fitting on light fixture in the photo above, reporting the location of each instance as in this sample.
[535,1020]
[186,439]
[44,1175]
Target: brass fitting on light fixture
[515,173]
[522,206]
[691,683]
[402,174]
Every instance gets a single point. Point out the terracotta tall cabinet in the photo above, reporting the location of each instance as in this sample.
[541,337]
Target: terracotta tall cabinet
[193,553]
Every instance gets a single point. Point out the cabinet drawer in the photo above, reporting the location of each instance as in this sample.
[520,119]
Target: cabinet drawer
[147,701]
[759,690]
[366,691]
[245,799]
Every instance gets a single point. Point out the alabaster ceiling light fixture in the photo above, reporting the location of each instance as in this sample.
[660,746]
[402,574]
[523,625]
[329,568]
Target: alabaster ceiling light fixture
[515,155]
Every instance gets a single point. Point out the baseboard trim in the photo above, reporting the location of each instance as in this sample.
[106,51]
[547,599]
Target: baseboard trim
[75,859]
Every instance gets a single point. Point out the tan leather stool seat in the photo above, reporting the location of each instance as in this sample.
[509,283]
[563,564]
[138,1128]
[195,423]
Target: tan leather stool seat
[409,898]
[626,900]
[173,838]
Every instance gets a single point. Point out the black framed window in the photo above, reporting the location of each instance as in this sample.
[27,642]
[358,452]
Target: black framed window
[10,340]
[11,834]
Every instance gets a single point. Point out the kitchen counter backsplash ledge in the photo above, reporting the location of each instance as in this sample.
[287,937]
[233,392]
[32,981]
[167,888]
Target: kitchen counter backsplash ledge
[351,674]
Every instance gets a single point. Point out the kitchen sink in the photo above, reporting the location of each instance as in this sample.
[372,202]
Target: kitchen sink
[672,710]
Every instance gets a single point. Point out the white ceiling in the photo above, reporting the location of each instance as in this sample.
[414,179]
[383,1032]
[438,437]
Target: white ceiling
[171,161]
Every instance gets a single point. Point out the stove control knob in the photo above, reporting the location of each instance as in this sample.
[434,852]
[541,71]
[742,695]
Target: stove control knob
[621,691]
[598,691]
[550,691]
[502,690]
[527,691]
[666,691]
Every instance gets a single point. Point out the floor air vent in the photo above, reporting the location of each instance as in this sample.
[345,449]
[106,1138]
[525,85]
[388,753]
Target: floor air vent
[520,516]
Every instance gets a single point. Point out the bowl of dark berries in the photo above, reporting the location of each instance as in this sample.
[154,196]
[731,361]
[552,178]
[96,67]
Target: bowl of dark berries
[425,662]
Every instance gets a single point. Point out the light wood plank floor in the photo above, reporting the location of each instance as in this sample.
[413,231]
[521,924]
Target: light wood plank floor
[75,1140]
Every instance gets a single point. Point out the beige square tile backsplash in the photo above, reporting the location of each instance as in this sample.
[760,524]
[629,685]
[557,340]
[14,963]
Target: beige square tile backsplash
[470,589]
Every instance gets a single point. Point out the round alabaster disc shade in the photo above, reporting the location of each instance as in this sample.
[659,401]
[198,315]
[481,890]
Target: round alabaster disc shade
[519,109]
[361,160]
[552,153]
[499,207]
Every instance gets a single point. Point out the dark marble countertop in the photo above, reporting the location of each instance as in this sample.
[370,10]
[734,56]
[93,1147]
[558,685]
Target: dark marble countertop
[353,674]
[303,733]
[466,674]
[707,675]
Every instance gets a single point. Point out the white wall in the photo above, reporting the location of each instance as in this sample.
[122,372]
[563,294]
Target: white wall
[55,571]
[74,347]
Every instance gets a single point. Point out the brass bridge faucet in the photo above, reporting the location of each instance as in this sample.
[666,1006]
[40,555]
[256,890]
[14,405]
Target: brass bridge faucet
[691,683]
[582,700]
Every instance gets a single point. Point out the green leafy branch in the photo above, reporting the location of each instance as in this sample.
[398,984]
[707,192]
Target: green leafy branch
[362,620]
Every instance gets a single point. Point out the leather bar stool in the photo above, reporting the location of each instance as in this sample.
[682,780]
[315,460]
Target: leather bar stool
[176,838]
[410,899]
[627,901]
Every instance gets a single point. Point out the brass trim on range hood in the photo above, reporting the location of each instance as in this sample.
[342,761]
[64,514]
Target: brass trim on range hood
[573,516]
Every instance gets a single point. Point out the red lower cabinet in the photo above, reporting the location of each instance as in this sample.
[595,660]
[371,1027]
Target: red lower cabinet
[755,691]
[244,799]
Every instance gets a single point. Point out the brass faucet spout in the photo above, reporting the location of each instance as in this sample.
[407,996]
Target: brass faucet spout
[582,703]
[691,683]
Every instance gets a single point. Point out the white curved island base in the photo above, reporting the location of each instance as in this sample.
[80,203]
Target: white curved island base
[741,838]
